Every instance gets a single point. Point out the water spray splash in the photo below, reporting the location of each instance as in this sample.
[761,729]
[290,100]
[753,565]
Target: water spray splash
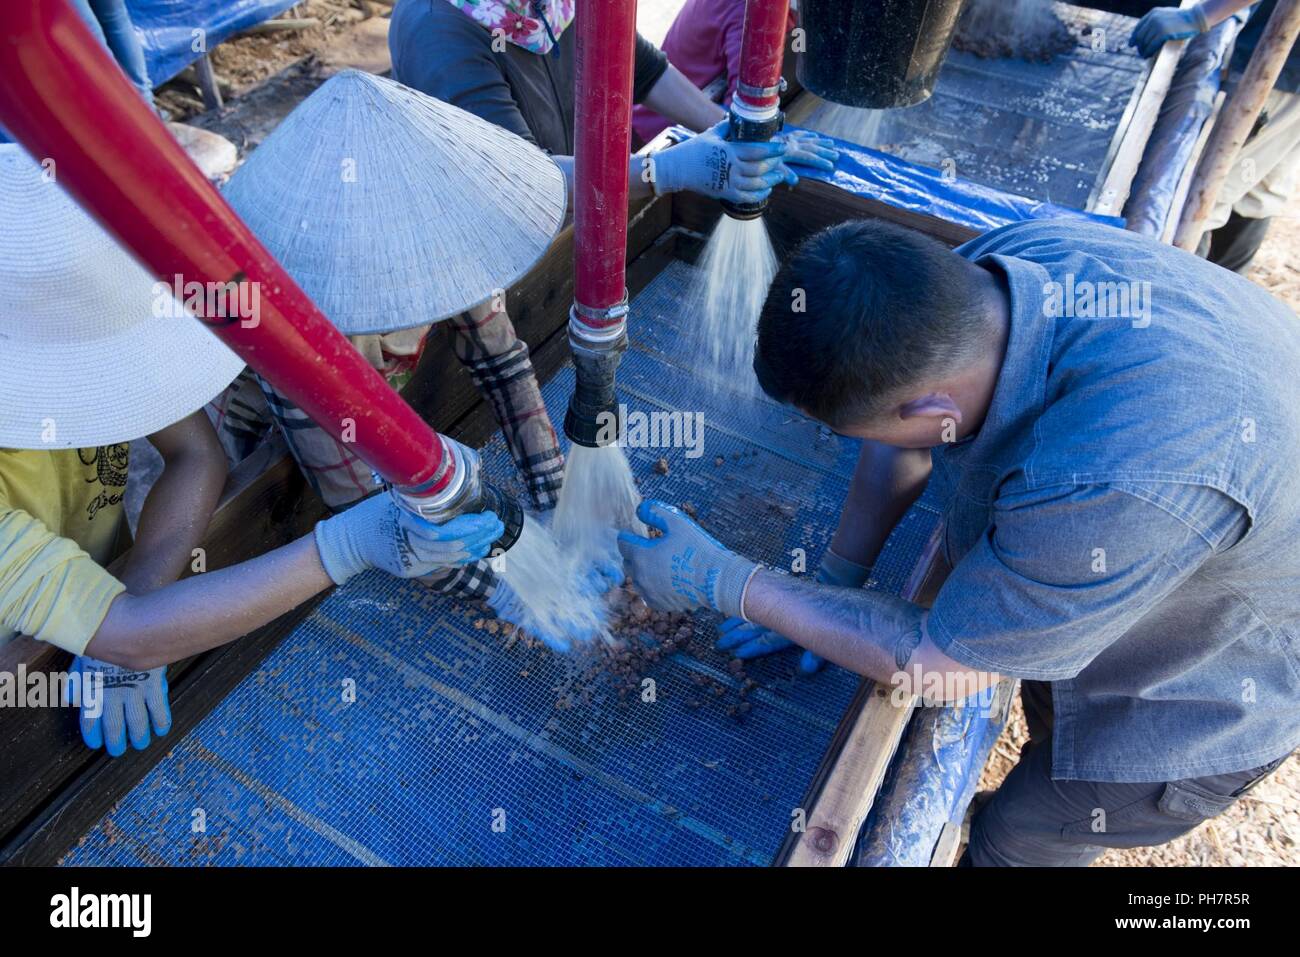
[735,269]
[557,601]
[597,501]
[864,127]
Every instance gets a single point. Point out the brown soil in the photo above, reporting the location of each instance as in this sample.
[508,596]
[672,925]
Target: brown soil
[643,638]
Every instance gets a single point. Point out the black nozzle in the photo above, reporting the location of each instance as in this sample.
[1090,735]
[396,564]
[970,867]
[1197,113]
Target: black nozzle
[743,130]
[508,510]
[743,210]
[593,429]
[592,418]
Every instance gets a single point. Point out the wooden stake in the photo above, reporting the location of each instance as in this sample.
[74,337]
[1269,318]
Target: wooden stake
[208,84]
[1237,119]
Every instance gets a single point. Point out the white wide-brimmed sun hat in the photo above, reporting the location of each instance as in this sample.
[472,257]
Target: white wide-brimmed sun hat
[393,209]
[92,349]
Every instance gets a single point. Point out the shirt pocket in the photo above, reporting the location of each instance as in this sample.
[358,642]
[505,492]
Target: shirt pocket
[1138,809]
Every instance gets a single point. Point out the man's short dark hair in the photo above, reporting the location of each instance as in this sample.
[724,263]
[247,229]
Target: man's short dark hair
[861,311]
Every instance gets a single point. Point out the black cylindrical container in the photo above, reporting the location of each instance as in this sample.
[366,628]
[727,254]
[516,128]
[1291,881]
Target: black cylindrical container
[875,54]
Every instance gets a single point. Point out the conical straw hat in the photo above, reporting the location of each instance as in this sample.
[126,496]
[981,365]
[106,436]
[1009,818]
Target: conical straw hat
[393,209]
[92,350]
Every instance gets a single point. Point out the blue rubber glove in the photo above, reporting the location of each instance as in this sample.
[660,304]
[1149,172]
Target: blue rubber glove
[711,165]
[1164,24]
[379,533]
[685,569]
[806,148]
[746,640]
[124,704]
[604,575]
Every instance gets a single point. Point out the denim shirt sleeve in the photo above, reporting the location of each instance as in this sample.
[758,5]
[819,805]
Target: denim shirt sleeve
[1062,572]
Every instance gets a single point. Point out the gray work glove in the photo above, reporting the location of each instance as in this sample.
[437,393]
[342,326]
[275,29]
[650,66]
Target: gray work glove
[746,640]
[686,568]
[121,704]
[379,533]
[711,165]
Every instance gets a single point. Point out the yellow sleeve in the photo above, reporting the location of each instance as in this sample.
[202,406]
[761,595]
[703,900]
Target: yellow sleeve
[49,588]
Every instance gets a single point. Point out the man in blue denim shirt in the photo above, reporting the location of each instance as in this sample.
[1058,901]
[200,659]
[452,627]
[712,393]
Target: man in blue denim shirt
[1112,430]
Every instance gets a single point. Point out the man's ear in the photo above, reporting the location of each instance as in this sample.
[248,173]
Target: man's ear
[931,405]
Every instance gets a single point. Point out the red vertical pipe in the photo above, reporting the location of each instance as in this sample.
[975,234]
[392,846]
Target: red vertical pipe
[63,98]
[762,48]
[606,42]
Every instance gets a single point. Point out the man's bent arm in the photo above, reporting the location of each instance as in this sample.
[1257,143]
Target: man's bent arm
[886,481]
[880,637]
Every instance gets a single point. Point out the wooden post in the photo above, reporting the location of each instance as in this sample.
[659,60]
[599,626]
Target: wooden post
[1237,119]
[208,83]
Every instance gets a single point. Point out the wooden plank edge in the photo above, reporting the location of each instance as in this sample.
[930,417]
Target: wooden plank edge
[860,754]
[1130,146]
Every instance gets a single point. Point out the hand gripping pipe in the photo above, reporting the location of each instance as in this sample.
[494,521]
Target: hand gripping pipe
[603,141]
[756,106]
[66,101]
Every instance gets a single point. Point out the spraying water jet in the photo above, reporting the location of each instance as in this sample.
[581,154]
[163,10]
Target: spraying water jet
[739,262]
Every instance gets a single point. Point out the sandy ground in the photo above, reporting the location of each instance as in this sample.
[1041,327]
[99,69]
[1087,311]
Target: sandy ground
[1263,828]
[243,62]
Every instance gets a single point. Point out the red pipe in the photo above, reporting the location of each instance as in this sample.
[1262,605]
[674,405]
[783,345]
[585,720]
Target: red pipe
[762,48]
[603,144]
[64,98]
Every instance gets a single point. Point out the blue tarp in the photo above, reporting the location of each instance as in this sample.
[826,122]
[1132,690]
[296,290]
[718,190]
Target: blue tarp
[1040,129]
[175,33]
[907,185]
[895,181]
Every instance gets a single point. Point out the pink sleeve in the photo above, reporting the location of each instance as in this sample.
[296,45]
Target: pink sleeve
[732,30]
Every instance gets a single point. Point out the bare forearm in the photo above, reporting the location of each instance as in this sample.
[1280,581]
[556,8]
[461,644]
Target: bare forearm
[885,483]
[880,637]
[202,612]
[676,98]
[173,519]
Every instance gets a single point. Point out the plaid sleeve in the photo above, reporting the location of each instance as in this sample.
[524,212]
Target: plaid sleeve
[473,582]
[240,416]
[484,339]
[336,472]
